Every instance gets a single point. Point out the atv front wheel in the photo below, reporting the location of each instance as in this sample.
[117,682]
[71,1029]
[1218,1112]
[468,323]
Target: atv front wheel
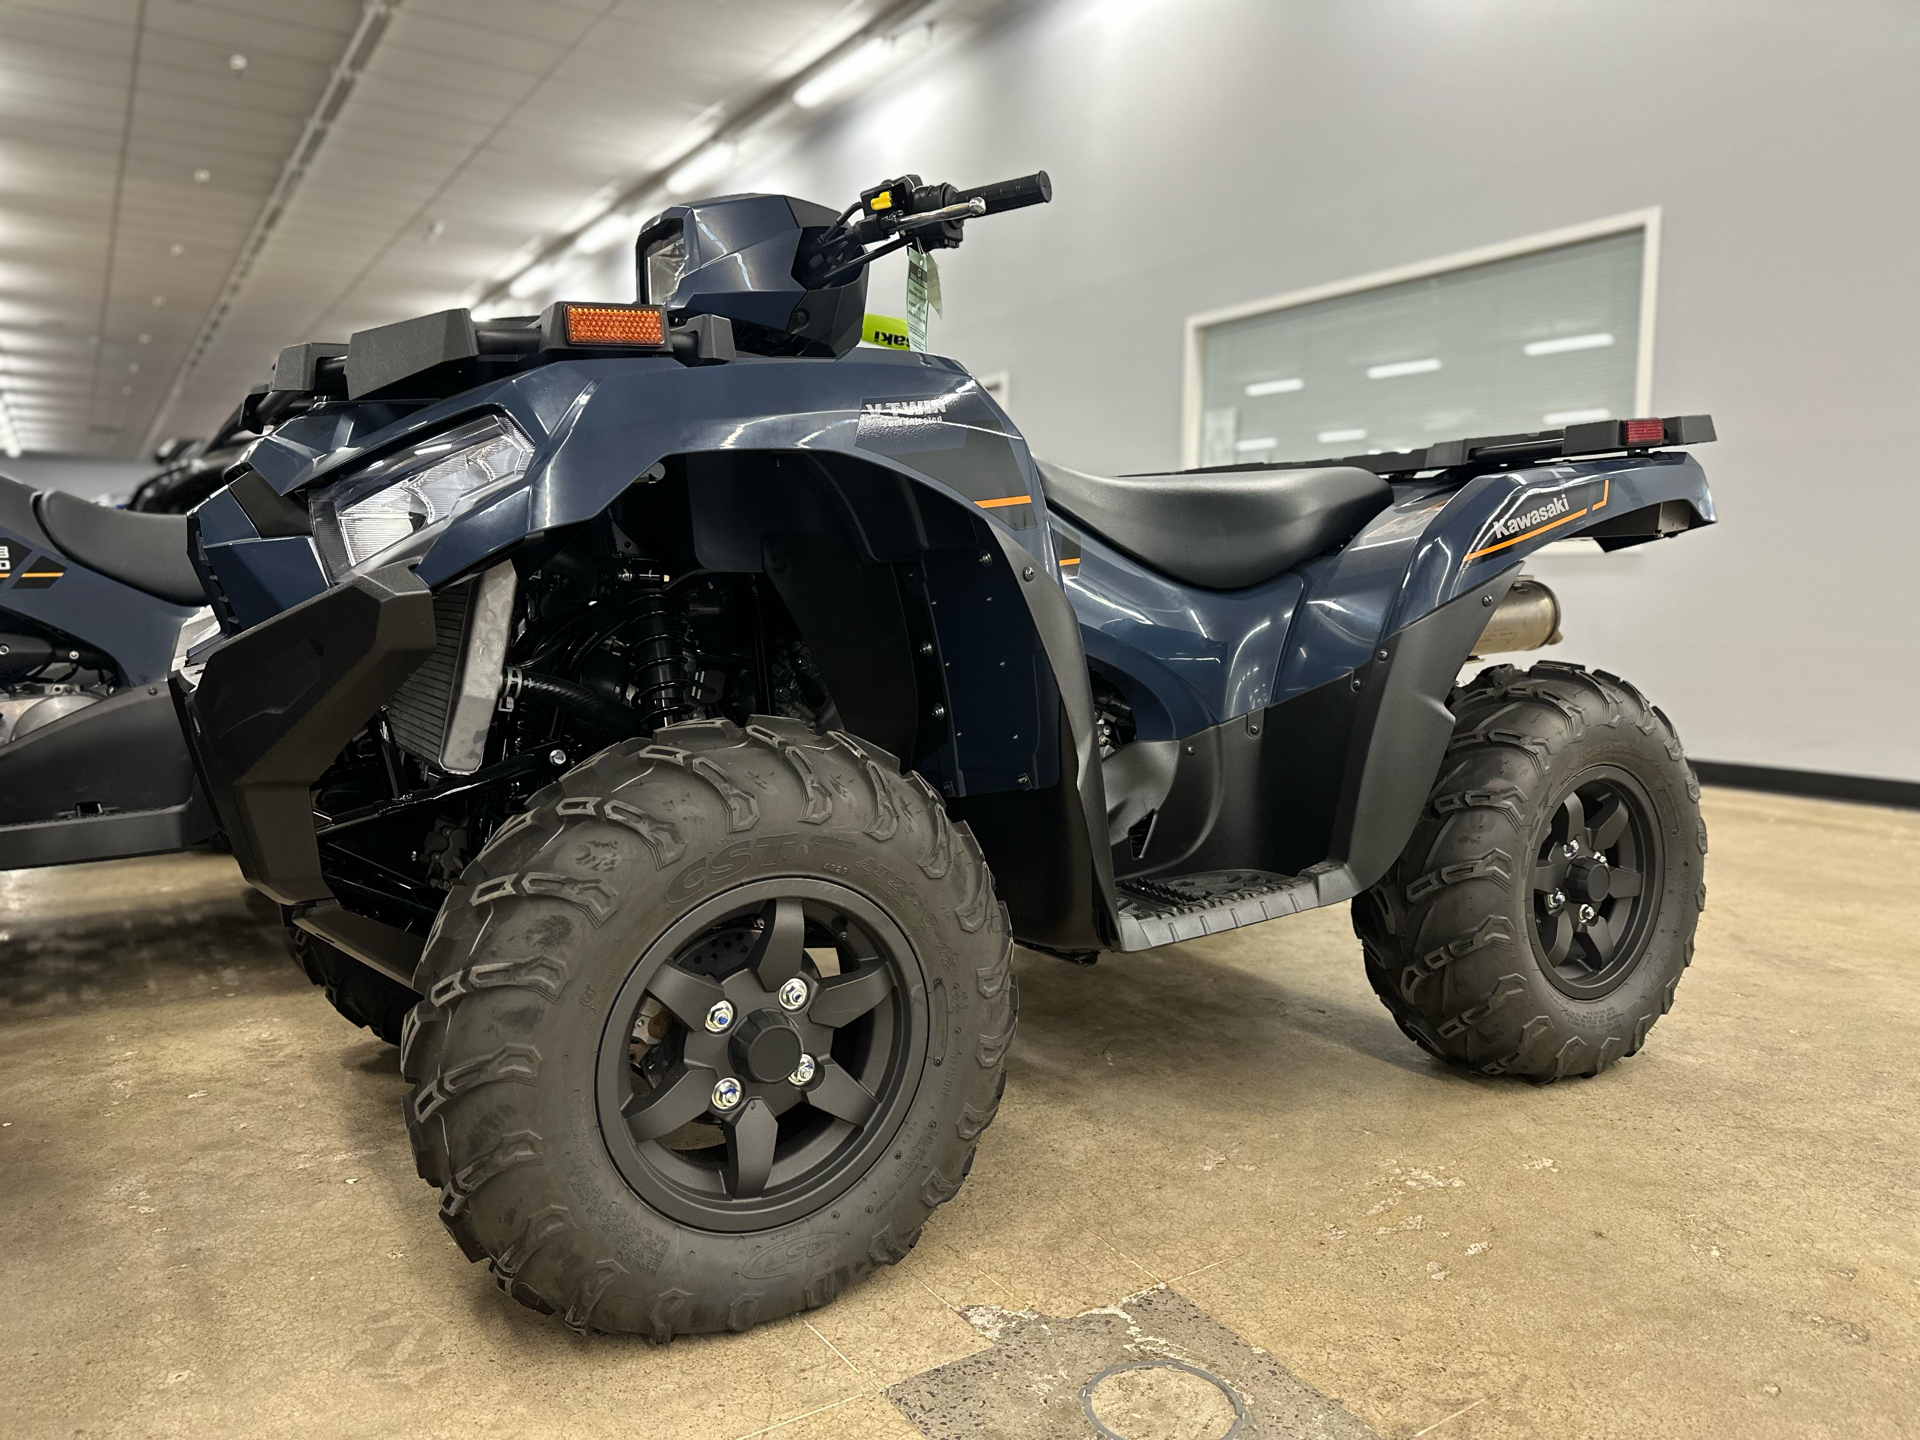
[359,992]
[710,1030]
[1540,916]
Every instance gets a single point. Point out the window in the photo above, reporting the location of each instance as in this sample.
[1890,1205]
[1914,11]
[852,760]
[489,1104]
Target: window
[1535,334]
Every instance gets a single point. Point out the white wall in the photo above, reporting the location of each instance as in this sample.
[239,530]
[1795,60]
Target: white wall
[1206,152]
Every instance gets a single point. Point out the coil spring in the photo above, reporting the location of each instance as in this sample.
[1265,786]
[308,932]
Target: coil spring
[662,690]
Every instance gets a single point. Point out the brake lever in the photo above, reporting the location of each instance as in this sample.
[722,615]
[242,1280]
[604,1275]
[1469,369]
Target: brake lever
[965,210]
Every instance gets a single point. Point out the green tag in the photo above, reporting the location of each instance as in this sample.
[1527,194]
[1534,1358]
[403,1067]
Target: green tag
[885,330]
[923,290]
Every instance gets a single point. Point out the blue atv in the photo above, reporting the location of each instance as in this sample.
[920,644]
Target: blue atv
[664,718]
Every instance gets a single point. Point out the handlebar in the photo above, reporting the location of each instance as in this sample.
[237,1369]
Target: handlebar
[1034,189]
[905,212]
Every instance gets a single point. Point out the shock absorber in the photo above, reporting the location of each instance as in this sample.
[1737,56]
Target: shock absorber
[662,690]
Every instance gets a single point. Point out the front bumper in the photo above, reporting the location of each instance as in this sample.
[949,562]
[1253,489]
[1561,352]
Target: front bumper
[270,708]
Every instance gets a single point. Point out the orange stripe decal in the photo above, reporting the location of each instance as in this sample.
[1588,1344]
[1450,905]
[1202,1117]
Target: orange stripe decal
[1537,530]
[1009,500]
[41,574]
[1074,561]
[1606,489]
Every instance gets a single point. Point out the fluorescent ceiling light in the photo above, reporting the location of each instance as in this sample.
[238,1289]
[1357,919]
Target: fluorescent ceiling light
[708,164]
[1565,343]
[605,231]
[1275,387]
[1577,417]
[1401,367]
[1263,444]
[1339,437]
[843,74]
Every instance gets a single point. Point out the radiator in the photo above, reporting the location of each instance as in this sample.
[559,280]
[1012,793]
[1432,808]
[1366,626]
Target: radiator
[442,712]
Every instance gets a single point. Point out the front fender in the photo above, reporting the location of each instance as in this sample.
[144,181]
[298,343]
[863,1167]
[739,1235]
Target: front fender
[921,422]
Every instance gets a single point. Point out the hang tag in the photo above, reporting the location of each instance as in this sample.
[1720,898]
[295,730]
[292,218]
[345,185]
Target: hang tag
[923,291]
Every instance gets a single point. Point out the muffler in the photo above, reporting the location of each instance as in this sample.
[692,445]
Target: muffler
[1526,618]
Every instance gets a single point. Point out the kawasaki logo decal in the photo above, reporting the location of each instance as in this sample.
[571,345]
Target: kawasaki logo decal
[1533,514]
[1539,515]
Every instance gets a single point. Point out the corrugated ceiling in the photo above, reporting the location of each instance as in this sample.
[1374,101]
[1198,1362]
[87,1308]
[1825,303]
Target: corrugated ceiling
[137,156]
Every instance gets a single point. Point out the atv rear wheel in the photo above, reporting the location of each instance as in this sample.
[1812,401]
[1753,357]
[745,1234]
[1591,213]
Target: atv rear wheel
[366,997]
[710,1030]
[1540,916]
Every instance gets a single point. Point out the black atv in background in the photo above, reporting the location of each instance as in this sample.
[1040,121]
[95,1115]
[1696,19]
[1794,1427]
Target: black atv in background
[191,470]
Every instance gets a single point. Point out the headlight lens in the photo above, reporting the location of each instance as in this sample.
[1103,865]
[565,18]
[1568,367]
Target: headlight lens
[665,263]
[391,499]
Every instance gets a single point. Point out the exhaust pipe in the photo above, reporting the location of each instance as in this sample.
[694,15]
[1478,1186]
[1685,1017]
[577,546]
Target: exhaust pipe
[1527,617]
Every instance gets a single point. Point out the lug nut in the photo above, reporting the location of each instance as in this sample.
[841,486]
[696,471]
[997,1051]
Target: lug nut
[1557,901]
[1572,847]
[1587,914]
[726,1094]
[793,994]
[720,1016]
[803,1072]
[557,756]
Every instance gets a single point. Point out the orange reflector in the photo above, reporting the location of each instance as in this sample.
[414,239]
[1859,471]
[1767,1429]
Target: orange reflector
[617,325]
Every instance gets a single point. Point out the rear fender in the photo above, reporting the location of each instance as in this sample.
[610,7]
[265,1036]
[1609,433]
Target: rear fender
[1496,520]
[1440,539]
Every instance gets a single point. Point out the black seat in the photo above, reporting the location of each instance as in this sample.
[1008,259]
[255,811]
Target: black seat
[147,552]
[1221,530]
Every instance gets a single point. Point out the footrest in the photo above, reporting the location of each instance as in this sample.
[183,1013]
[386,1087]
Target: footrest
[1173,908]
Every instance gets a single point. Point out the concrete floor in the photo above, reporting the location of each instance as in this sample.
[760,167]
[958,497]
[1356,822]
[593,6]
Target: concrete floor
[209,1221]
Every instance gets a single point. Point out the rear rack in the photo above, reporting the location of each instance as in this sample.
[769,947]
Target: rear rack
[1497,452]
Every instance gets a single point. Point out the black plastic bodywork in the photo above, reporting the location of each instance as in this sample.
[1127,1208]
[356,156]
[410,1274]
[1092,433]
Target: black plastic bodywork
[110,780]
[271,708]
[740,263]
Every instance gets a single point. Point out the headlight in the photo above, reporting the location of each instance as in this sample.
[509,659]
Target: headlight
[378,507]
[664,263]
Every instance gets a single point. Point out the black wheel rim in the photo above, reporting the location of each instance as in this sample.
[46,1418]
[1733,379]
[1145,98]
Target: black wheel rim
[1597,873]
[701,1112]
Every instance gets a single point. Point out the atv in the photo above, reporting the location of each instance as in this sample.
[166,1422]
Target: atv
[191,470]
[665,717]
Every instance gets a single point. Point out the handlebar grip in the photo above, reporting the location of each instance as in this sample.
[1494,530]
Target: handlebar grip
[1034,189]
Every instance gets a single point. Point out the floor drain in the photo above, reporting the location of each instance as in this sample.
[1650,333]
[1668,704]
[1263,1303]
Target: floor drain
[1179,1402]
